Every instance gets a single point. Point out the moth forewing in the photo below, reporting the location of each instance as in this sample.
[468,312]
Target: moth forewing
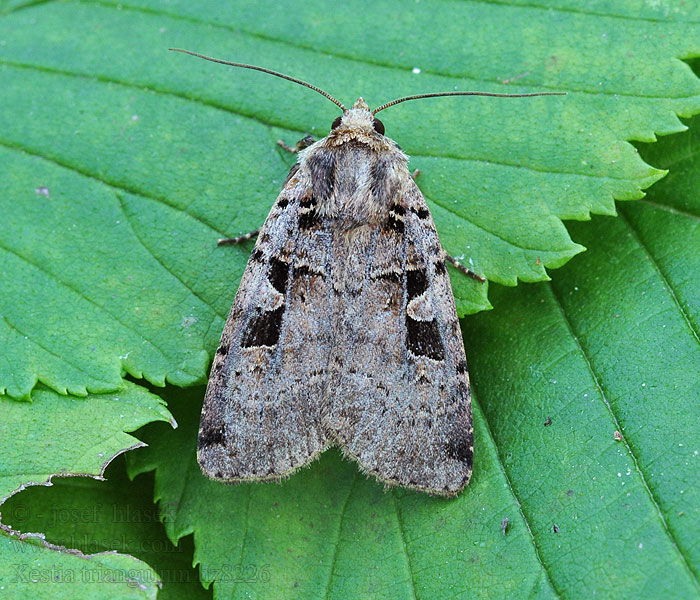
[262,409]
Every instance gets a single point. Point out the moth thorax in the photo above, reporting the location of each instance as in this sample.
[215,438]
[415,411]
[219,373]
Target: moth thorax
[367,184]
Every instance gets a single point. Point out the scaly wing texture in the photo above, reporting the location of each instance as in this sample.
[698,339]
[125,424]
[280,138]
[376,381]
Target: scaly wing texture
[262,410]
[398,385]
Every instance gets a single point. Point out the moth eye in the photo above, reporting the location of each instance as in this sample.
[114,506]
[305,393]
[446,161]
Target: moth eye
[378,126]
[336,122]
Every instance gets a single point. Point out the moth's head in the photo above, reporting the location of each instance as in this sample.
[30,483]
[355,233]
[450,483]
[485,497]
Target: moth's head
[359,118]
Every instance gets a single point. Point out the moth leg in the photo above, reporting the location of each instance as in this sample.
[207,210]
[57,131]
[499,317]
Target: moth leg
[415,174]
[453,261]
[237,240]
[304,142]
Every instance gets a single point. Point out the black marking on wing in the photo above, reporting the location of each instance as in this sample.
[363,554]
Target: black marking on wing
[416,283]
[211,435]
[394,224]
[377,176]
[278,274]
[462,366]
[423,339]
[382,185]
[422,213]
[222,349]
[264,329]
[257,255]
[308,217]
[459,446]
[305,271]
[391,276]
[460,439]
[322,168]
[395,220]
[440,267]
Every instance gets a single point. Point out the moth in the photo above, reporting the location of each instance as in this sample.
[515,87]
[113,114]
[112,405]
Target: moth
[343,330]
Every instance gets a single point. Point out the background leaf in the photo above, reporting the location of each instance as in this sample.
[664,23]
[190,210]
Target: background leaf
[27,565]
[60,435]
[56,436]
[115,514]
[330,532]
[122,164]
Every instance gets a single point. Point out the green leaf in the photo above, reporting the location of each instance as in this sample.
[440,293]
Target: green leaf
[57,436]
[121,164]
[111,515]
[611,345]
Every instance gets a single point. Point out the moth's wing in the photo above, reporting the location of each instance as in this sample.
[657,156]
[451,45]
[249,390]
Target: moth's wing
[262,410]
[400,401]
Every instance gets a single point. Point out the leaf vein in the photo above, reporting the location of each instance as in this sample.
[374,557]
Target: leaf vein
[492,233]
[113,185]
[509,483]
[580,12]
[337,536]
[160,262]
[402,534]
[674,542]
[671,209]
[80,294]
[662,275]
[216,106]
[52,353]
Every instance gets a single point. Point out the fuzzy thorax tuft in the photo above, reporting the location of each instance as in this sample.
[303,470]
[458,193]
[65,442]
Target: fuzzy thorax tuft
[358,117]
[358,124]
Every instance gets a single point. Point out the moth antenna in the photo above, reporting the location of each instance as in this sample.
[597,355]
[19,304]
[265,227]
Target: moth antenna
[416,97]
[264,70]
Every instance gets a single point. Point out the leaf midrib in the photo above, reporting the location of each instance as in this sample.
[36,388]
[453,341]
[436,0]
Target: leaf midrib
[618,427]
[666,282]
